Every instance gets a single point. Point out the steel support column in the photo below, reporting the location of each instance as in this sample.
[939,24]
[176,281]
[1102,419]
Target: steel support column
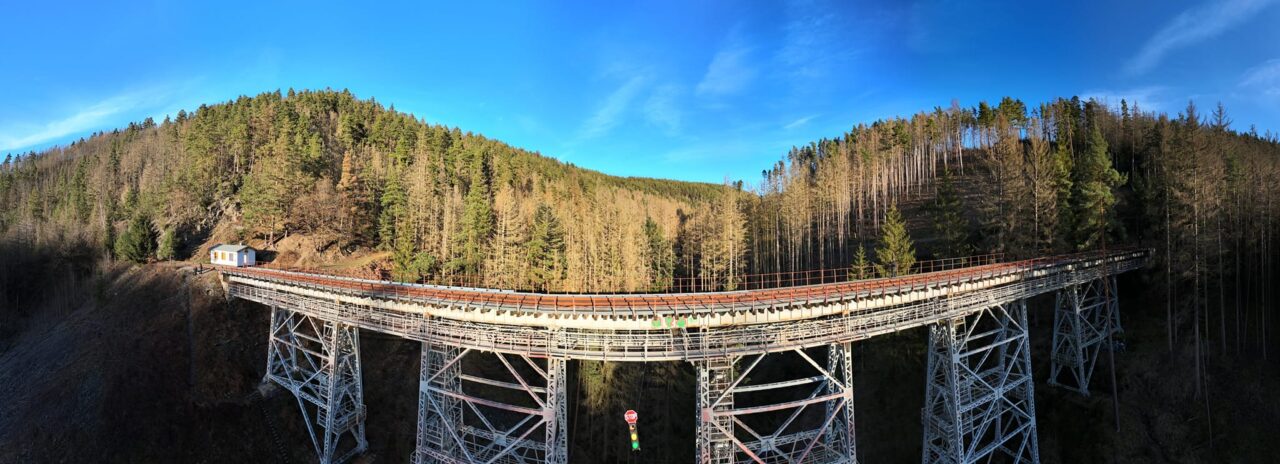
[512,410]
[840,367]
[980,399]
[749,416]
[1084,317]
[319,362]
[439,372]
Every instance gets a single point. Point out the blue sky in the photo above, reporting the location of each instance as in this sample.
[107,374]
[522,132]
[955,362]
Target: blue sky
[685,90]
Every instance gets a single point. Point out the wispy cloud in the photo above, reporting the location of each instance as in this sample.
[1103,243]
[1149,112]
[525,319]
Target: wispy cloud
[662,110]
[1264,78]
[799,122]
[730,72]
[806,36]
[1149,98]
[156,100]
[91,117]
[1192,26]
[611,111]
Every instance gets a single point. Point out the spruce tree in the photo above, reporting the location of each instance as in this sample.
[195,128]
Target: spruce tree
[408,264]
[1093,197]
[167,248]
[948,219]
[1063,165]
[545,249]
[660,256]
[896,253]
[477,220]
[137,242]
[394,198]
[861,268]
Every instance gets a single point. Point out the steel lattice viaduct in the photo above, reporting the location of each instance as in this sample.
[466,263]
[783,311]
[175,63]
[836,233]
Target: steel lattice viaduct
[979,400]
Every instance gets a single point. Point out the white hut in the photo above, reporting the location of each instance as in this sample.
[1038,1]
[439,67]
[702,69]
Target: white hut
[233,255]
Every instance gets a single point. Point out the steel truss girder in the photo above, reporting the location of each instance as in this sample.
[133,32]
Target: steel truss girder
[815,426]
[979,396]
[319,362]
[1084,318]
[521,417]
[669,345]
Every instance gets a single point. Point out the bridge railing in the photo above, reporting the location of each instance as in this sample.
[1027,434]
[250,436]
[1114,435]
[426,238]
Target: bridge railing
[679,284]
[820,276]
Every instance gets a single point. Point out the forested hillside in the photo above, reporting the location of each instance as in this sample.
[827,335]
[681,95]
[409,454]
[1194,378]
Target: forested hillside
[356,175]
[438,203]
[420,201]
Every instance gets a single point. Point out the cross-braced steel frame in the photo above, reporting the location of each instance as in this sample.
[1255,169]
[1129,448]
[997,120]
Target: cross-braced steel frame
[319,362]
[800,420]
[979,397]
[979,402]
[525,398]
[1084,318]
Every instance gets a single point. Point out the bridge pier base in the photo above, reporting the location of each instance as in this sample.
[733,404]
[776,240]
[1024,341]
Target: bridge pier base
[804,420]
[319,362]
[1084,318]
[522,419]
[980,399]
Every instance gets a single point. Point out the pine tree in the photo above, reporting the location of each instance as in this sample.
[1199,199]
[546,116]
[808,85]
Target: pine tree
[896,253]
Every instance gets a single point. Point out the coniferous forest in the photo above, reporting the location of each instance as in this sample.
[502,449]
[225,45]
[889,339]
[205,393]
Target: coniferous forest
[324,179]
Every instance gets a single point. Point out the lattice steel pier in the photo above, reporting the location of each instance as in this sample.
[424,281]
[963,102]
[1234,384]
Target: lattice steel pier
[1085,317]
[456,424]
[979,396]
[795,420]
[319,362]
[492,386]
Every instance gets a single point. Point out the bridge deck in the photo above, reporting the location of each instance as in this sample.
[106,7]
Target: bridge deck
[670,325]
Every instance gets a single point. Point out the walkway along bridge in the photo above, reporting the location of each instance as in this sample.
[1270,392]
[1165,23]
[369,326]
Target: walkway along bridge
[979,401]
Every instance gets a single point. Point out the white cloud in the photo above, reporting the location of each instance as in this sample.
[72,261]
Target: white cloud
[1192,26]
[799,122]
[728,73]
[662,110]
[615,106]
[1264,78]
[92,117]
[114,111]
[1149,98]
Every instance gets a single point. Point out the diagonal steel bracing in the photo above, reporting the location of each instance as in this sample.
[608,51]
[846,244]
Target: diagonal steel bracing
[785,420]
[319,362]
[979,396]
[1084,318]
[512,409]
[512,412]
